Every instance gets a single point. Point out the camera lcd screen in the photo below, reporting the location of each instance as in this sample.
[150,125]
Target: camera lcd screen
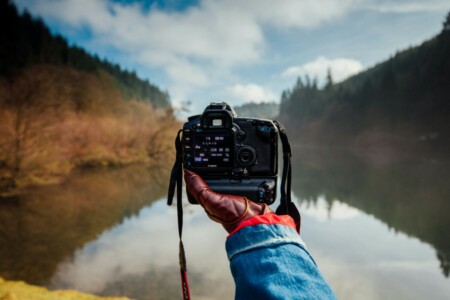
[213,150]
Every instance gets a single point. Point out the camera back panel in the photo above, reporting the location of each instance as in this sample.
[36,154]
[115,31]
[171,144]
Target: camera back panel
[249,148]
[233,155]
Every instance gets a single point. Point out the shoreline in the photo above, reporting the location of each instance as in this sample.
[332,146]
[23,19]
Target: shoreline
[6,195]
[20,290]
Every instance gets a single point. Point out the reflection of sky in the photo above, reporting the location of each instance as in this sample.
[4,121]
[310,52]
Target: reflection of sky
[146,242]
[360,256]
[322,212]
[364,259]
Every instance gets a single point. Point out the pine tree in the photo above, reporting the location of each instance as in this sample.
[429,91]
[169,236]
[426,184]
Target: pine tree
[329,79]
[446,23]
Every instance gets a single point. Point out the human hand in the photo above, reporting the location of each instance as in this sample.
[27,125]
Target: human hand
[228,210]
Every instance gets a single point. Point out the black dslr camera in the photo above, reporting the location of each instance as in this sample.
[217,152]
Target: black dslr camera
[233,155]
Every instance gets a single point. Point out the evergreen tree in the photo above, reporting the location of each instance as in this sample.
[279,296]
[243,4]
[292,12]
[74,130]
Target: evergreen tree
[27,41]
[329,80]
[447,22]
[409,92]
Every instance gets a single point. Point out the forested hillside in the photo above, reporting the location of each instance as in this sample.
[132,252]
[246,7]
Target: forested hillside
[62,109]
[26,41]
[402,102]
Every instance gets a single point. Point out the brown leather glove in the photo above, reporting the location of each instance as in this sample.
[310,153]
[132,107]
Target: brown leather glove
[228,210]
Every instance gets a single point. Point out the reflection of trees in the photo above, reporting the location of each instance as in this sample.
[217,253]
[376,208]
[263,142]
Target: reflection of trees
[43,227]
[164,284]
[445,262]
[409,196]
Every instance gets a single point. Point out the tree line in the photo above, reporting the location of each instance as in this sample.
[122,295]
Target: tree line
[406,97]
[26,41]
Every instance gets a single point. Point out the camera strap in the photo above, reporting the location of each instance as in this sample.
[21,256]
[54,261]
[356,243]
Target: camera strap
[287,207]
[176,180]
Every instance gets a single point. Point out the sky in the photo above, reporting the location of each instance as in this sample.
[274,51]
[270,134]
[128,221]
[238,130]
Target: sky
[240,51]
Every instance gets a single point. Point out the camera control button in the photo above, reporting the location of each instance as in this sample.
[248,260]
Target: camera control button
[237,171]
[241,135]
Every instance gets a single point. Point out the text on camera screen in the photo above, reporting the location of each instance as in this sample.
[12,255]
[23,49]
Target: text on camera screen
[213,150]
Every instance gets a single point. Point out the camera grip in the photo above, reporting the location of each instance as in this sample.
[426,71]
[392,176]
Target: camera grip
[229,210]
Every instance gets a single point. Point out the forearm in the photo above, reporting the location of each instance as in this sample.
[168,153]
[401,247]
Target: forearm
[270,261]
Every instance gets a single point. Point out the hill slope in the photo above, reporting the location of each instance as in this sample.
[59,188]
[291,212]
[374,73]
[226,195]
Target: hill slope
[26,41]
[404,101]
[62,109]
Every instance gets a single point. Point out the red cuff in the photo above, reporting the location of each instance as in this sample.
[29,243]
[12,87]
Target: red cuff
[268,219]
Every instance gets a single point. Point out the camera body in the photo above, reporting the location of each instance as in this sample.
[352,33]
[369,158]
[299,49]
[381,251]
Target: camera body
[237,156]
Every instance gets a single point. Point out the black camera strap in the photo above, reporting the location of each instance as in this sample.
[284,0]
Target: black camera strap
[287,207]
[176,180]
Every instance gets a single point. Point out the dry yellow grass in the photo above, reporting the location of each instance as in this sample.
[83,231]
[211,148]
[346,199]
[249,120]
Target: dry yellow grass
[54,120]
[19,290]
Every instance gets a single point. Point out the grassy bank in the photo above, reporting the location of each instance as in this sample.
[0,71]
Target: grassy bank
[54,120]
[19,290]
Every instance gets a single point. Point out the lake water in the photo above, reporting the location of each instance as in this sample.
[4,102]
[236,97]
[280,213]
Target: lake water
[378,230]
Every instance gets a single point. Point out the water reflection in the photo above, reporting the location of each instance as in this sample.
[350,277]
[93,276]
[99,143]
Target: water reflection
[375,230]
[322,210]
[409,196]
[44,226]
[411,199]
[363,259]
[138,258]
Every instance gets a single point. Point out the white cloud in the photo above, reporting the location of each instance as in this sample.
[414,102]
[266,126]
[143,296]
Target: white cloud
[341,68]
[389,6]
[202,46]
[252,93]
[294,13]
[201,39]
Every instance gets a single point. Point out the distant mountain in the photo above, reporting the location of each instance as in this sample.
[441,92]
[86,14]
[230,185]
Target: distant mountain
[258,110]
[404,101]
[27,41]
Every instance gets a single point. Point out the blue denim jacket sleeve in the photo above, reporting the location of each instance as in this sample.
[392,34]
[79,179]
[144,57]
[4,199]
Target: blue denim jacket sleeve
[271,262]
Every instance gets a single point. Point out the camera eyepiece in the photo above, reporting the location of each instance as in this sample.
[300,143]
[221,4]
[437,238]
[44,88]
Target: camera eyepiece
[246,156]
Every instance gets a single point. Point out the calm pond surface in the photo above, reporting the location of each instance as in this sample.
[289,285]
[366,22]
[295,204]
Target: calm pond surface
[377,230]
